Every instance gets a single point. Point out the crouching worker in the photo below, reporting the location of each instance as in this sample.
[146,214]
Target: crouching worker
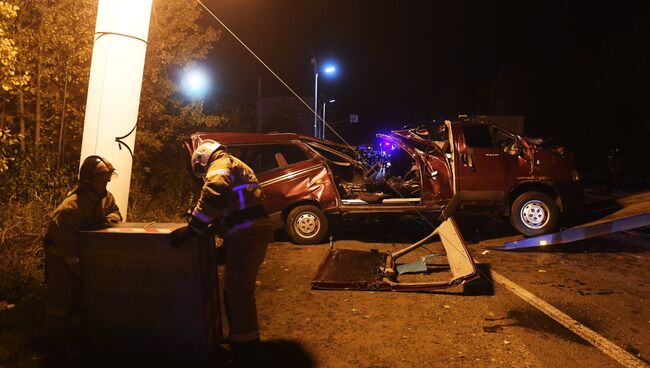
[88,206]
[231,198]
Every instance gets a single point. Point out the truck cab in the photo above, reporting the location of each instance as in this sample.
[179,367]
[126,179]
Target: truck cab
[494,168]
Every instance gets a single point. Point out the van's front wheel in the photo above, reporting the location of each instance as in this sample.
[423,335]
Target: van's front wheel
[306,224]
[534,213]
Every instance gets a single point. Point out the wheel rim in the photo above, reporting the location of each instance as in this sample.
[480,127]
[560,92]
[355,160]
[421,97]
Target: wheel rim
[306,225]
[534,214]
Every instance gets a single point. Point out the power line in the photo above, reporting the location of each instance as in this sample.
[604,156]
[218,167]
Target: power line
[271,70]
[301,99]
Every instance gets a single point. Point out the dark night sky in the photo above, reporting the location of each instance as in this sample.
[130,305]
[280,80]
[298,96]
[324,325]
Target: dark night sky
[410,61]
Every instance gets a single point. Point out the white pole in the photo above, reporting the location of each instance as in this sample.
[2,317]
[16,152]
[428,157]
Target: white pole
[114,88]
[322,133]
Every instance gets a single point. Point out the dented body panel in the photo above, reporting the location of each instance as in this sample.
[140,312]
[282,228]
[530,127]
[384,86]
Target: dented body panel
[305,182]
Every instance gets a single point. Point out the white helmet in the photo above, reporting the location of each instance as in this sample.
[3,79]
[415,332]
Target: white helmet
[201,156]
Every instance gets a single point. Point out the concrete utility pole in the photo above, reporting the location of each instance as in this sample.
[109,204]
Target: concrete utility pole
[114,88]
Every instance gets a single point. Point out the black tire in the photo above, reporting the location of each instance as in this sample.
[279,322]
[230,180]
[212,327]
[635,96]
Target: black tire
[534,213]
[306,224]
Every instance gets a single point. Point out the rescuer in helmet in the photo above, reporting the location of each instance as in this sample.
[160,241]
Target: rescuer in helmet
[87,206]
[231,199]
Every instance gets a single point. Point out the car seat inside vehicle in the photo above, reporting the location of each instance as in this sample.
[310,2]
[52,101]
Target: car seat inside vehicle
[279,158]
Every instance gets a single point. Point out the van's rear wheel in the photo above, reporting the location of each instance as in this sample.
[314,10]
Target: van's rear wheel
[534,213]
[306,224]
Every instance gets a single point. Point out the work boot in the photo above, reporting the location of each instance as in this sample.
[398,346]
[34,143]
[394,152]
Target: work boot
[247,354]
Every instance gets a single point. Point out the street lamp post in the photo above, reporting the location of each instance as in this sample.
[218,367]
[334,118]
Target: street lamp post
[313,61]
[328,69]
[316,104]
[322,133]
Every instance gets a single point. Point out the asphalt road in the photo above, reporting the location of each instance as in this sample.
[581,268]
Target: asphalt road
[603,283]
[588,305]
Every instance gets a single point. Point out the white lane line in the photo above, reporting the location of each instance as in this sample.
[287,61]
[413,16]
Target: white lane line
[604,345]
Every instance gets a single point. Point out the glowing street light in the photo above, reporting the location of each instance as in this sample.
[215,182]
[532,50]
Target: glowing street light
[322,133]
[195,83]
[329,69]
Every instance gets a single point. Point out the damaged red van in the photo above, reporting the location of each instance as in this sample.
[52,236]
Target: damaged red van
[307,182]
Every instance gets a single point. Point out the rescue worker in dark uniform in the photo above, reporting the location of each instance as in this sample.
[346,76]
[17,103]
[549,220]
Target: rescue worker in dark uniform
[89,205]
[231,199]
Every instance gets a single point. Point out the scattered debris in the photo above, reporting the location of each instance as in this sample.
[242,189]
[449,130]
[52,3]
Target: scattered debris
[540,270]
[485,252]
[446,306]
[418,266]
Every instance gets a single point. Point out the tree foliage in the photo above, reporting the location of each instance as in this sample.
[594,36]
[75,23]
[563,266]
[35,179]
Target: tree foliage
[165,118]
[45,51]
[8,49]
[8,148]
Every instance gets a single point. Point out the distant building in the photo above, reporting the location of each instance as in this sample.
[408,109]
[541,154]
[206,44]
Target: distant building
[286,115]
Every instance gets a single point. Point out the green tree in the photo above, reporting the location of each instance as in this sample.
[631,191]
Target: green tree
[54,42]
[165,120]
[8,49]
[51,43]
[9,80]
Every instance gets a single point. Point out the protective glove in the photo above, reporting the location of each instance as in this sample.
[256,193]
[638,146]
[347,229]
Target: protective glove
[187,215]
[197,225]
[180,235]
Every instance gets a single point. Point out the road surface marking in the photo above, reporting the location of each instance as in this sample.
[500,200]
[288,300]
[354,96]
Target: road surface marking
[606,346]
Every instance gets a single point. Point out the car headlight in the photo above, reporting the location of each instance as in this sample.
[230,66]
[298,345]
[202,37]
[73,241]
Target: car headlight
[575,175]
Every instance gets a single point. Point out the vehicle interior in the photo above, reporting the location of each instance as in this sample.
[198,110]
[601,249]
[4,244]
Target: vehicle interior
[263,158]
[392,178]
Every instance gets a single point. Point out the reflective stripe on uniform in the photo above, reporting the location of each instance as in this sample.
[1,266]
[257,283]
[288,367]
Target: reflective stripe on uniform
[248,224]
[203,218]
[212,173]
[241,191]
[247,186]
[208,214]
